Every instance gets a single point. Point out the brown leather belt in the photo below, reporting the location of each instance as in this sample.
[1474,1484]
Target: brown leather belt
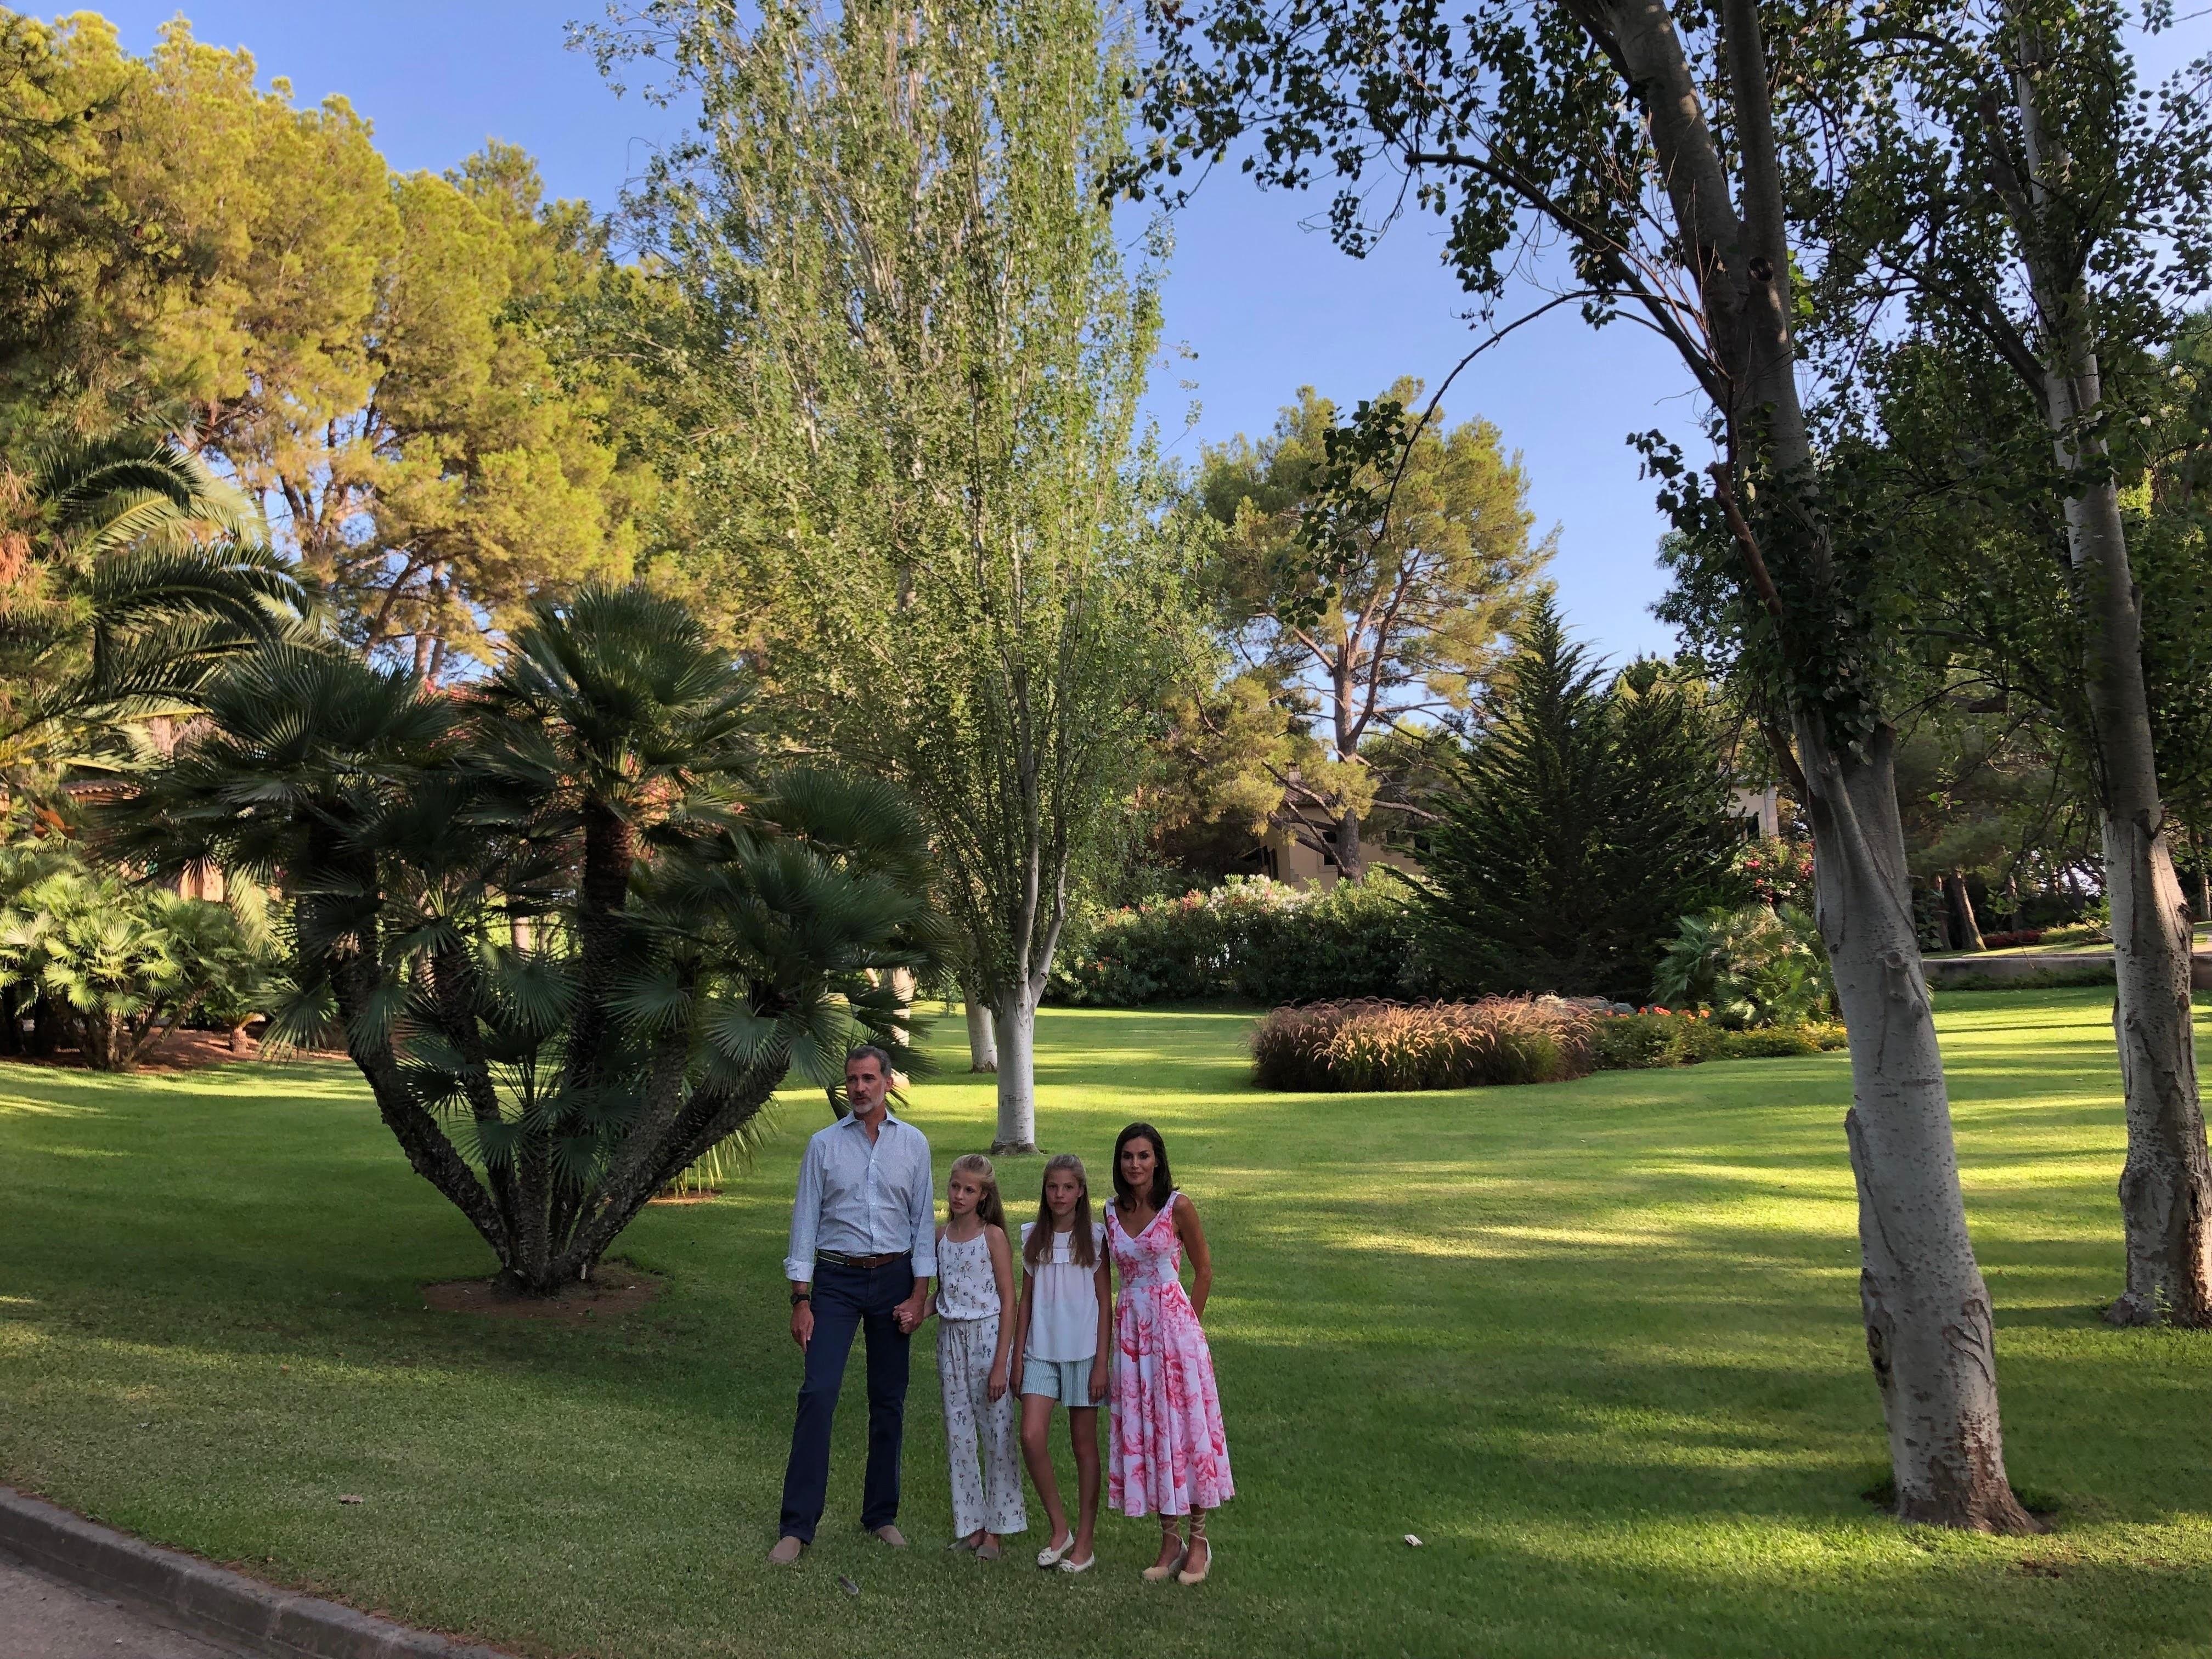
[839,1258]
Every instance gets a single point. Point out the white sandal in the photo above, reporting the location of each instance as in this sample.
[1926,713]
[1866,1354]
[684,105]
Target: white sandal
[1072,1566]
[1049,1557]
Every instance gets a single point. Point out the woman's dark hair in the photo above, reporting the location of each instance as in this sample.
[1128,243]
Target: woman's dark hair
[1162,1183]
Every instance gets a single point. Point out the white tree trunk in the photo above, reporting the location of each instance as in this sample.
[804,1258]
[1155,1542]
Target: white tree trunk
[2165,1188]
[983,1042]
[1015,1023]
[1928,1330]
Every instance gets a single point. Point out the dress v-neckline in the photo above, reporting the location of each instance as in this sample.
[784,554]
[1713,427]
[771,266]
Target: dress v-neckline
[1147,1227]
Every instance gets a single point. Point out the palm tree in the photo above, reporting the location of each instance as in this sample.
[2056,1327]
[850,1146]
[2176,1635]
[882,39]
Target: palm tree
[574,933]
[127,572]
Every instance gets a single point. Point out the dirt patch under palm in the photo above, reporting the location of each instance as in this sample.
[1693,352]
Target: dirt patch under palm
[180,1051]
[615,1290]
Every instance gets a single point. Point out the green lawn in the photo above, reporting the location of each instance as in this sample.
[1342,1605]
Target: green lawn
[1597,1344]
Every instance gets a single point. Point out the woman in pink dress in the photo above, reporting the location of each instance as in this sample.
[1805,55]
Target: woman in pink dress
[1168,1457]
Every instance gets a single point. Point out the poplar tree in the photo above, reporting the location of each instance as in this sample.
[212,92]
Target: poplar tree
[1645,137]
[2033,218]
[921,353]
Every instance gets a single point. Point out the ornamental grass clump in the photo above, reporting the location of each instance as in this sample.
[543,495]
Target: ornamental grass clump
[1371,1045]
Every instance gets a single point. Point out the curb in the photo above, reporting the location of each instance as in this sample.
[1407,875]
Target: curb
[204,1599]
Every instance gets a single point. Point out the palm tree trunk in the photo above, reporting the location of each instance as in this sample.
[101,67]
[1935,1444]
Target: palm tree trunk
[676,1141]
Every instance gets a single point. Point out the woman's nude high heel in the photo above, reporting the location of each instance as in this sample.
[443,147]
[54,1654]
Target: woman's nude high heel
[1161,1570]
[1197,1537]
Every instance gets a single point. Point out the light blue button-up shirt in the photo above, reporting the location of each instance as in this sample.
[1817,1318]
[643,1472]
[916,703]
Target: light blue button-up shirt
[860,1197]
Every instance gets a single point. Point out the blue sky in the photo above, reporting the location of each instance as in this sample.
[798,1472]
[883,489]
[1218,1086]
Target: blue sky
[1266,304]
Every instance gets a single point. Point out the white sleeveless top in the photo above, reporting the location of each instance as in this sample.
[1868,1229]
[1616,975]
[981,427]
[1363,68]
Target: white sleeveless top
[966,1286]
[1064,1316]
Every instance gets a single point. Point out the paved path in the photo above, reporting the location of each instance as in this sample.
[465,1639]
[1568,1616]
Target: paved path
[42,1618]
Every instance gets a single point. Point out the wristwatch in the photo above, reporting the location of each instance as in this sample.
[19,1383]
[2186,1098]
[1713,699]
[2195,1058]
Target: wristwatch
[798,1297]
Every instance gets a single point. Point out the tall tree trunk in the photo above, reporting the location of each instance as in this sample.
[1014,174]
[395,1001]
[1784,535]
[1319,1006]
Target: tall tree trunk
[1928,1320]
[2165,1187]
[1351,856]
[1958,907]
[1014,1020]
[982,1044]
[1929,1329]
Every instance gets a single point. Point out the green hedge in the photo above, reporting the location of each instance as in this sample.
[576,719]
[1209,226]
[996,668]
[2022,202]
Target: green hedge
[2044,979]
[1656,1037]
[1256,941]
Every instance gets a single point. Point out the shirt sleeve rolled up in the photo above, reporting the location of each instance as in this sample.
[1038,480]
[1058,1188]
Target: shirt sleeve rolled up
[806,1217]
[922,1201]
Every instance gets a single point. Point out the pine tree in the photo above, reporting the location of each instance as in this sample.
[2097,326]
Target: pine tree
[1578,829]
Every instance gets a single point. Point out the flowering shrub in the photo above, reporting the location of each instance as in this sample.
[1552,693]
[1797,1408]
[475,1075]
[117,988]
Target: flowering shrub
[1369,1044]
[1777,872]
[1255,939]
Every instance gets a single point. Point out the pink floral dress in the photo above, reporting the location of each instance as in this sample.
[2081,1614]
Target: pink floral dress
[1168,1455]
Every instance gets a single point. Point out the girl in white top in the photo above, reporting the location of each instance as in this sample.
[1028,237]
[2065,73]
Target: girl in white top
[1067,1301]
[974,1303]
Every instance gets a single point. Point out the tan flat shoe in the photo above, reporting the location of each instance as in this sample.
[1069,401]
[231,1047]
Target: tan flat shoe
[786,1551]
[1186,1575]
[887,1533]
[1160,1570]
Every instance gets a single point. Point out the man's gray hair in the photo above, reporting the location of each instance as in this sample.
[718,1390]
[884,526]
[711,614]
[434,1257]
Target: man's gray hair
[869,1051]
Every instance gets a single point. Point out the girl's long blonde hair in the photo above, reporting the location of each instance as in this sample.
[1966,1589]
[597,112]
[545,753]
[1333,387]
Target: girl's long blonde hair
[1082,1248]
[988,1208]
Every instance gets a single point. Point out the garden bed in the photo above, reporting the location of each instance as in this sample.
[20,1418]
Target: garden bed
[1366,1045]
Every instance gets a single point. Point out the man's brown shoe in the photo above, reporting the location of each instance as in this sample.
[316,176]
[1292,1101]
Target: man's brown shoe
[786,1551]
[891,1536]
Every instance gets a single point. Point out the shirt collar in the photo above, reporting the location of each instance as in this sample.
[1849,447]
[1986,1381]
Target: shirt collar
[853,1119]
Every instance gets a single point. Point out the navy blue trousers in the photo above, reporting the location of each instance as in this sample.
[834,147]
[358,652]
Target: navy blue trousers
[847,1300]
